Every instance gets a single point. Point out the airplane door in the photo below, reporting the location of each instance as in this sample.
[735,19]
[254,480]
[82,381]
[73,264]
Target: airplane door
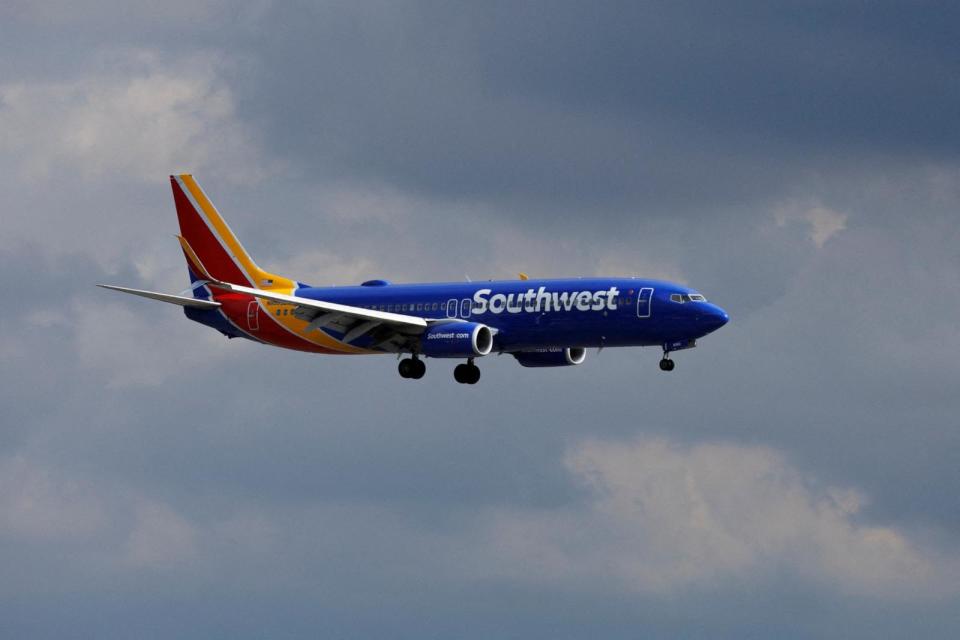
[253,319]
[644,298]
[452,308]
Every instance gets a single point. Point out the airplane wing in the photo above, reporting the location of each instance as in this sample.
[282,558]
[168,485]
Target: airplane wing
[359,313]
[390,331]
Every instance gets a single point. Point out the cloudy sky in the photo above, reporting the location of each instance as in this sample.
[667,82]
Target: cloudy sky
[796,476]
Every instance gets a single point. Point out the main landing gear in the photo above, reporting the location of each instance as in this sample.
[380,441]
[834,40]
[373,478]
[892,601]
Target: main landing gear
[467,373]
[666,364]
[412,368]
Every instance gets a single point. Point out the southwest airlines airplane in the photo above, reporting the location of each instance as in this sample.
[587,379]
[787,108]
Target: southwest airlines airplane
[541,323]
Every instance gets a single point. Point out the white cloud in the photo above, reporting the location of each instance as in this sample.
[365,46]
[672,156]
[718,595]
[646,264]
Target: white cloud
[139,349]
[46,505]
[140,116]
[665,517]
[39,503]
[322,268]
[824,223]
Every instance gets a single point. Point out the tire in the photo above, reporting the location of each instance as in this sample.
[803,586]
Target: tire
[474,374]
[419,368]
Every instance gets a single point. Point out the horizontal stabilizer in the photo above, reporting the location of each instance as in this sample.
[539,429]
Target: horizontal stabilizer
[183,301]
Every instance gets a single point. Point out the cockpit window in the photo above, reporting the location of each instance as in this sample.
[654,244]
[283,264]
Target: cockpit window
[696,297]
[686,297]
[676,297]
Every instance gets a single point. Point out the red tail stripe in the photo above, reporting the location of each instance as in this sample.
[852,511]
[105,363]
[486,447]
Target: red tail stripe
[215,258]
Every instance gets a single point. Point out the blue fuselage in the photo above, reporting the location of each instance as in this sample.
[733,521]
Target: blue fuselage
[527,314]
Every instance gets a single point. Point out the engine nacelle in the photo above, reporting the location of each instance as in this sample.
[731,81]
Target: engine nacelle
[456,340]
[551,357]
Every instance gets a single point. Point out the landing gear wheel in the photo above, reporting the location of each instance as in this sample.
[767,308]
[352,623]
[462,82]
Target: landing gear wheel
[466,373]
[474,374]
[666,364]
[412,368]
[419,368]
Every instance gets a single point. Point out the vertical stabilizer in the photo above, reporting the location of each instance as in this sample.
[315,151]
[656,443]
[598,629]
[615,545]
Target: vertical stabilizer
[210,247]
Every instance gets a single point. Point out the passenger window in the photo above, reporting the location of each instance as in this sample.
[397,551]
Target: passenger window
[419,306]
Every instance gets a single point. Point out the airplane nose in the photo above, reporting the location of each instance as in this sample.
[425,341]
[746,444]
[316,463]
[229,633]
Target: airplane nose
[714,319]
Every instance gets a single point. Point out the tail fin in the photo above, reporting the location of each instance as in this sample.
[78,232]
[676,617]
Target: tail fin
[211,249]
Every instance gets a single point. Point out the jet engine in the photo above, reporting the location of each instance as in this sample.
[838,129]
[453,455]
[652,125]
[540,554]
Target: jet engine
[456,340]
[551,357]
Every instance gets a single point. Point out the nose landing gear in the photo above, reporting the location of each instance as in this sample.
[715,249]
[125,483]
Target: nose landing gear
[666,364]
[467,373]
[412,368]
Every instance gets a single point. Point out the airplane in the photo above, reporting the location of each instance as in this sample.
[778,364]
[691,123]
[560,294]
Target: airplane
[541,323]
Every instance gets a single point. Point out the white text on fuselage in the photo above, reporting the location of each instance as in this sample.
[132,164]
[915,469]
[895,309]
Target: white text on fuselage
[542,300]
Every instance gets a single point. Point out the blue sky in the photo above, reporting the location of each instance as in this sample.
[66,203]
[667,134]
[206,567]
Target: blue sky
[794,477]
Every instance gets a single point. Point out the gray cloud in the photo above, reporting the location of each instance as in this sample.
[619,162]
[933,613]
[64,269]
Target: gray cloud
[795,163]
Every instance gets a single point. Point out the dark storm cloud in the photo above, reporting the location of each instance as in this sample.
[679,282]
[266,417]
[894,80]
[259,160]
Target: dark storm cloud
[845,76]
[648,105]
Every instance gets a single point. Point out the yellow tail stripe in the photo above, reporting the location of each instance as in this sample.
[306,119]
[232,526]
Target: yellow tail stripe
[286,285]
[230,240]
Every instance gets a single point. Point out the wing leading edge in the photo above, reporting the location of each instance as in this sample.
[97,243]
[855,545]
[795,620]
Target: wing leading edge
[359,313]
[391,331]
